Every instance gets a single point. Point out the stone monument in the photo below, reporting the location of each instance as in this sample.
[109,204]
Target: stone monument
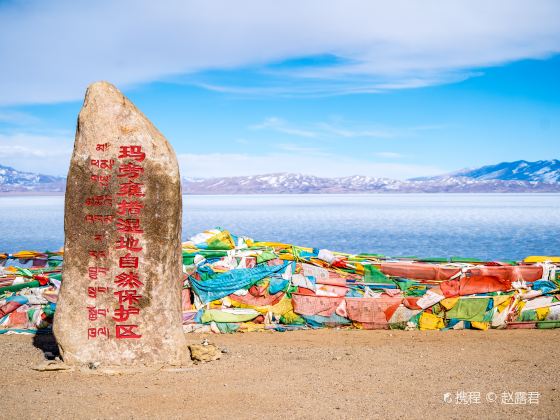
[120,300]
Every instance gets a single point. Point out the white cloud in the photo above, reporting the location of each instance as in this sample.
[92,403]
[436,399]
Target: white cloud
[51,155]
[232,164]
[340,129]
[36,153]
[383,133]
[51,50]
[17,117]
[281,126]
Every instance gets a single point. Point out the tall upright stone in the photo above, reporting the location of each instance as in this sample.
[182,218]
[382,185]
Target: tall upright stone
[119,304]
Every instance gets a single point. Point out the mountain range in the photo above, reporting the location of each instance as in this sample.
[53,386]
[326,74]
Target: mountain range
[519,176]
[12,180]
[545,171]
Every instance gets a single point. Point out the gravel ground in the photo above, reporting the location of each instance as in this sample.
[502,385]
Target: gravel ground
[306,374]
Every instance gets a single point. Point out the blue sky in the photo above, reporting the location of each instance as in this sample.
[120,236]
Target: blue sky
[388,89]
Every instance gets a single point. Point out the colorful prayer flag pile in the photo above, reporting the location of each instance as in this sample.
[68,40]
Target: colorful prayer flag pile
[233,283]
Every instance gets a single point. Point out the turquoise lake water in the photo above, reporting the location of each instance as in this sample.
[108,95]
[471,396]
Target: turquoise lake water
[487,226]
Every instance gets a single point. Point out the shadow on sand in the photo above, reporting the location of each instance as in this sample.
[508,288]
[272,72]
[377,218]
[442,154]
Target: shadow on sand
[46,342]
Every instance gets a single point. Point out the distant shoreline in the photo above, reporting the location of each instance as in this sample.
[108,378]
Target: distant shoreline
[61,194]
[29,193]
[507,177]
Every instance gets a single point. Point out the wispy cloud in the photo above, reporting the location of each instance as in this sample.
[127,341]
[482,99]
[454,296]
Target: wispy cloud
[338,129]
[349,133]
[328,165]
[277,86]
[47,56]
[17,117]
[320,81]
[46,154]
[51,155]
[281,126]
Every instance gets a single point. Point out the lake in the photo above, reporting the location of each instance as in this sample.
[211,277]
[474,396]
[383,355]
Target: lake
[486,226]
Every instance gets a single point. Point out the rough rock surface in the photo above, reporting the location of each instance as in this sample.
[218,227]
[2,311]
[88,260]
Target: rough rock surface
[204,352]
[120,298]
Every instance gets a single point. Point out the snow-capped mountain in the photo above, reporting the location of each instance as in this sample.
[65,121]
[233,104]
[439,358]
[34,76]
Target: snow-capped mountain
[547,171]
[284,183]
[520,176]
[12,180]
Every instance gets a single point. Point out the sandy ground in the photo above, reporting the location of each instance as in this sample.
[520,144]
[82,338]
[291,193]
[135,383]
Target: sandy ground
[306,374]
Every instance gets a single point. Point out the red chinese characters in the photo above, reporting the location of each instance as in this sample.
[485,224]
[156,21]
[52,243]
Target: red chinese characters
[129,280]
[129,226]
[129,297]
[134,152]
[128,261]
[122,313]
[126,331]
[129,243]
[131,189]
[129,208]
[130,170]
[120,188]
